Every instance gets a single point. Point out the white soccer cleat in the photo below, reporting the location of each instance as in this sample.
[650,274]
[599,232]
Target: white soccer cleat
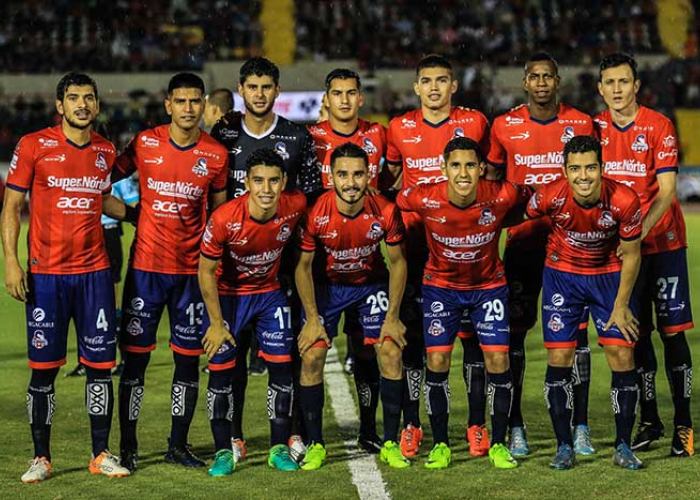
[107,464]
[297,448]
[39,469]
[240,451]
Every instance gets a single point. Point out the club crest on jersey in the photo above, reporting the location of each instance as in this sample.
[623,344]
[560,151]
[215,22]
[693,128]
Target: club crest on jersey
[606,220]
[200,168]
[285,232]
[369,146]
[487,217]
[555,323]
[458,132]
[568,134]
[436,329]
[101,162]
[375,231]
[39,340]
[281,149]
[134,327]
[640,144]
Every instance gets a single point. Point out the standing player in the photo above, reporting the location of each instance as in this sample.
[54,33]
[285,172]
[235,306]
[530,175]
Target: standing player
[415,142]
[463,218]
[247,236]
[640,149]
[526,143]
[348,225]
[66,169]
[344,97]
[179,168]
[593,218]
[260,128]
[216,104]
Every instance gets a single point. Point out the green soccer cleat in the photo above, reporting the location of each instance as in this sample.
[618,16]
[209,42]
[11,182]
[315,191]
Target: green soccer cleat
[501,458]
[315,457]
[391,454]
[440,457]
[280,458]
[223,464]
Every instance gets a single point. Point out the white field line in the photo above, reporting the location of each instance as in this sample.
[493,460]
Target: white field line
[363,467]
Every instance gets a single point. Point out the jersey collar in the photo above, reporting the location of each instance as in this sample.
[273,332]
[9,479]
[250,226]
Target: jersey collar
[264,134]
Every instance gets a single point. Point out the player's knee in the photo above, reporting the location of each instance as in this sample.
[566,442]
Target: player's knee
[620,358]
[439,361]
[497,361]
[561,357]
[390,358]
[312,364]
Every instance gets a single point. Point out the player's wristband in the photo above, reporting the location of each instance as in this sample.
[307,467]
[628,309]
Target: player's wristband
[132,213]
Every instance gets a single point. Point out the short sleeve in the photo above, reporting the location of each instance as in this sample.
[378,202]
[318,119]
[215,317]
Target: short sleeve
[214,237]
[307,233]
[126,162]
[666,149]
[631,220]
[393,154]
[408,199]
[219,182]
[21,172]
[395,231]
[537,206]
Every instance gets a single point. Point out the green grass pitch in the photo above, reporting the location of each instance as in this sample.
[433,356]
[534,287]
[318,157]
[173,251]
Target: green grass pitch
[468,477]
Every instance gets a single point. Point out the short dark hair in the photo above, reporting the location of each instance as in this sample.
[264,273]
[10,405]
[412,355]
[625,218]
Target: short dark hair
[264,156]
[462,144]
[259,66]
[617,59]
[349,150]
[433,61]
[73,78]
[223,98]
[583,144]
[343,74]
[185,81]
[542,56]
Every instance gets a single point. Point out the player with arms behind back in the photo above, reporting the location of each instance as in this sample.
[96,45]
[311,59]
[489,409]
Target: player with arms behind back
[66,170]
[593,219]
[640,149]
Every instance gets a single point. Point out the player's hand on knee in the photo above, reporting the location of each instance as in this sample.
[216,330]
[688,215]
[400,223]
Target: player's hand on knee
[394,329]
[311,332]
[214,338]
[16,282]
[625,321]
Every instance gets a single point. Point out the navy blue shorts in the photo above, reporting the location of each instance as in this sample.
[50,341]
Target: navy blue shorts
[663,282]
[567,298]
[87,299]
[146,295]
[271,318]
[370,301]
[444,316]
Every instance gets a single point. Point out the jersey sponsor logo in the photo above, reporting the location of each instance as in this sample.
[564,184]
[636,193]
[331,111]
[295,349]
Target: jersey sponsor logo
[283,137]
[177,189]
[239,242]
[412,140]
[539,179]
[353,253]
[555,323]
[285,232]
[458,132]
[468,241]
[104,149]
[13,162]
[348,267]
[87,184]
[487,218]
[552,159]
[169,207]
[317,131]
[558,300]
[58,158]
[375,231]
[258,259]
[406,123]
[440,220]
[200,168]
[640,144]
[77,202]
[667,154]
[38,314]
[513,120]
[369,146]
[606,220]
[436,329]
[137,303]
[562,216]
[601,123]
[433,179]
[321,220]
[208,154]
[568,120]
[605,141]
[437,307]
[281,149]
[101,162]
[236,150]
[461,256]
[568,133]
[227,133]
[97,340]
[48,143]
[150,142]
[156,160]
[326,146]
[522,136]
[430,163]
[428,203]
[134,327]
[669,141]
[233,226]
[632,168]
[588,239]
[39,340]
[329,236]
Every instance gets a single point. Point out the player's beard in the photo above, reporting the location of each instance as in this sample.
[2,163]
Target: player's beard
[259,114]
[360,198]
[77,125]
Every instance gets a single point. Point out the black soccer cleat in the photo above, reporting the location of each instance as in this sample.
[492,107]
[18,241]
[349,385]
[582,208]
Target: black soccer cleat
[129,459]
[183,455]
[78,371]
[647,433]
[371,444]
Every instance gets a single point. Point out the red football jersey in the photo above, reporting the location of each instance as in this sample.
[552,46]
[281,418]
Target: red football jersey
[463,242]
[351,246]
[635,155]
[250,251]
[175,184]
[369,136]
[418,144]
[66,183]
[584,240]
[531,152]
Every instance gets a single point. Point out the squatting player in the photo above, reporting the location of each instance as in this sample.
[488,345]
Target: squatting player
[247,235]
[463,218]
[180,169]
[593,218]
[526,144]
[346,226]
[415,142]
[640,149]
[260,127]
[66,170]
[345,98]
